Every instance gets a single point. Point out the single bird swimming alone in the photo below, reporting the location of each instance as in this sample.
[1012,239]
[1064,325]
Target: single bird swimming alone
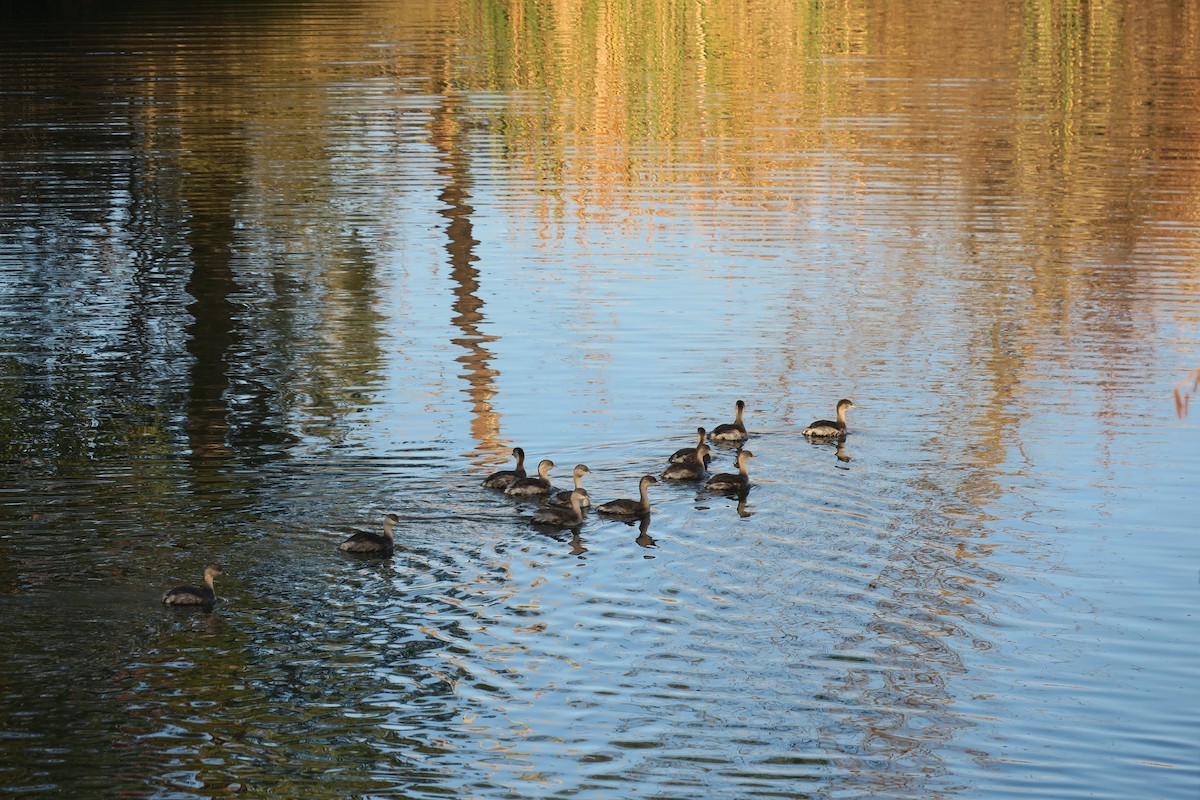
[730,482]
[376,544]
[563,517]
[631,508]
[731,431]
[501,479]
[828,427]
[686,454]
[690,470]
[563,498]
[188,595]
[526,487]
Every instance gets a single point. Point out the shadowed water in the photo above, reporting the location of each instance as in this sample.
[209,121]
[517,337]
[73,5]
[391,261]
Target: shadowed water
[269,271]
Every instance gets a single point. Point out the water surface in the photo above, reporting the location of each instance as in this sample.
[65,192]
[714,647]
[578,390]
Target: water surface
[269,271]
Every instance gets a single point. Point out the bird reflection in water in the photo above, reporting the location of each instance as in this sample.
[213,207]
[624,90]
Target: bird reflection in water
[570,535]
[212,624]
[842,455]
[838,444]
[644,539]
[742,509]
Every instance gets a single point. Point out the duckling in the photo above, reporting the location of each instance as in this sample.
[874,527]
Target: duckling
[826,427]
[188,595]
[562,517]
[375,544]
[563,498]
[729,482]
[731,431]
[501,479]
[528,487]
[686,454]
[630,508]
[692,470]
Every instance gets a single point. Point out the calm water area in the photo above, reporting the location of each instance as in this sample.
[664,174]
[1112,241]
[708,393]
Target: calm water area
[272,270]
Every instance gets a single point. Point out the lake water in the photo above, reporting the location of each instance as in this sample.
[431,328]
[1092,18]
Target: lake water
[271,270]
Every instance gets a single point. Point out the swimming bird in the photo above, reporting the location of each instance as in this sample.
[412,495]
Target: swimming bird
[826,427]
[731,431]
[686,454]
[563,498]
[501,479]
[376,544]
[562,517]
[630,508]
[524,487]
[691,470]
[730,482]
[188,595]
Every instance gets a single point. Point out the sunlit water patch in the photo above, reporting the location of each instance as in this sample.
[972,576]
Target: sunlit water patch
[268,273]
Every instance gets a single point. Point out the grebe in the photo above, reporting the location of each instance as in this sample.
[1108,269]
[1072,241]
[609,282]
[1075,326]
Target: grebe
[686,454]
[731,431]
[563,498]
[188,595]
[826,427]
[376,544]
[729,482]
[630,508]
[562,517]
[501,479]
[523,487]
[692,470]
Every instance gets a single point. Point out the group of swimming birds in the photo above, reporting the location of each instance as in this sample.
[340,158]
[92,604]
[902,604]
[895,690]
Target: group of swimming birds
[564,509]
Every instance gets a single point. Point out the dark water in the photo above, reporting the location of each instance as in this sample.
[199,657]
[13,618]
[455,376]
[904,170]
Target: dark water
[269,271]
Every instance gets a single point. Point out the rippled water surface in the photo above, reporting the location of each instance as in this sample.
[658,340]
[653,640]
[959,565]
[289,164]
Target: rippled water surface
[269,271]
